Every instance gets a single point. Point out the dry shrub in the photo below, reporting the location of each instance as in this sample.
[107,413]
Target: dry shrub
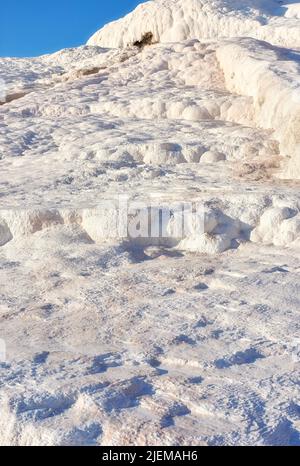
[147,39]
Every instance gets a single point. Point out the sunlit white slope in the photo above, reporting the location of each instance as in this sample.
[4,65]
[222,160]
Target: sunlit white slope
[177,20]
[292,10]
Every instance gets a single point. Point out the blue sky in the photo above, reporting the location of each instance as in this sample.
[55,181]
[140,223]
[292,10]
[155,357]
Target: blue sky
[34,27]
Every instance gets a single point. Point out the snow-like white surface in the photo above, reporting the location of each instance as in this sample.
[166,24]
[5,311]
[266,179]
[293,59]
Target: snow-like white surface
[174,350]
[192,338]
[177,20]
[292,10]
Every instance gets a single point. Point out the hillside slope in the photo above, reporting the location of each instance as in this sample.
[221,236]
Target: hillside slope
[176,20]
[117,325]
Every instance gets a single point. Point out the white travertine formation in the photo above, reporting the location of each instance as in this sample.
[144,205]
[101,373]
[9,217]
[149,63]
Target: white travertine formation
[178,20]
[150,231]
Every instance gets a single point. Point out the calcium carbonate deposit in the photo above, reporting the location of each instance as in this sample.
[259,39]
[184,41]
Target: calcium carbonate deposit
[150,231]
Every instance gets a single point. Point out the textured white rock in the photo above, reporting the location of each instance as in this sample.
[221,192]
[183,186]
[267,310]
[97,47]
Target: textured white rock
[205,244]
[144,333]
[292,9]
[192,154]
[203,220]
[278,226]
[100,224]
[26,222]
[178,20]
[212,157]
[164,153]
[5,234]
[289,231]
[272,79]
